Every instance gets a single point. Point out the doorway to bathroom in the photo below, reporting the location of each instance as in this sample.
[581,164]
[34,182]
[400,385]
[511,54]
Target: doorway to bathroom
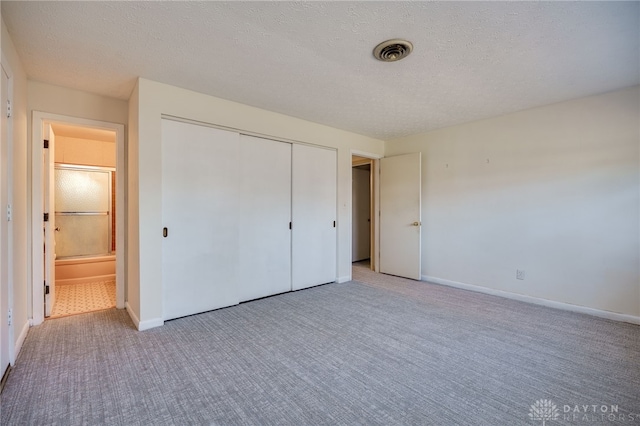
[84,222]
[82,204]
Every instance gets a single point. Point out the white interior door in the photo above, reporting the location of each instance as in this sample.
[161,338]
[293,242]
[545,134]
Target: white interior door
[360,214]
[265,214]
[400,215]
[4,233]
[50,224]
[200,185]
[314,179]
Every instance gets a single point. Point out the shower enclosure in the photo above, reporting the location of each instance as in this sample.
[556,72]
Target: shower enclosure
[83,211]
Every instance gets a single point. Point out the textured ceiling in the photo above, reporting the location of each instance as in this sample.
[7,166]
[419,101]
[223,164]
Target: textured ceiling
[312,60]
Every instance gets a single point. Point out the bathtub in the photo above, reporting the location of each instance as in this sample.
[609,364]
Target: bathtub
[78,270]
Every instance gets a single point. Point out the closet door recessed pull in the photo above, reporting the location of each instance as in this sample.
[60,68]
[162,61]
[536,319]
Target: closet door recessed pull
[165,232]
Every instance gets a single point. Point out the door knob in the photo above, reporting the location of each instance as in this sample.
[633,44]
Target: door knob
[416,223]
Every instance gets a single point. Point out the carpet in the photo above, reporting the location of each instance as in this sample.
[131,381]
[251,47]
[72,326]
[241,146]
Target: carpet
[389,352]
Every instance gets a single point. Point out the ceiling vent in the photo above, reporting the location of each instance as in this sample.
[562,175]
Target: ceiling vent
[392,50]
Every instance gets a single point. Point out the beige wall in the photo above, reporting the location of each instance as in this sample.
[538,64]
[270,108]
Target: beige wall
[19,198]
[54,100]
[85,152]
[45,97]
[553,191]
[154,99]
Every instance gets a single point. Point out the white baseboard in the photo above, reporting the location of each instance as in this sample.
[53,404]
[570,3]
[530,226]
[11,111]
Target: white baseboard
[344,279]
[143,325]
[19,342]
[536,300]
[83,280]
[152,323]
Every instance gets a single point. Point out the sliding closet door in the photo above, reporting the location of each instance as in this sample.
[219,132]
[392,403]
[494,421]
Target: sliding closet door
[314,181]
[199,210]
[265,213]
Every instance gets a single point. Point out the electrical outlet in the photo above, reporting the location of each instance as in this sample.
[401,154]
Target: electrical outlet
[519,274]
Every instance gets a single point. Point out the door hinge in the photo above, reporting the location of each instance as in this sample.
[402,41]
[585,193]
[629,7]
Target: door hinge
[334,223]
[8,212]
[46,143]
[46,288]
[8,108]
[10,317]
[45,217]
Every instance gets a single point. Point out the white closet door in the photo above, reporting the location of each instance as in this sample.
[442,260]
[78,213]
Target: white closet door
[314,179]
[265,213]
[199,210]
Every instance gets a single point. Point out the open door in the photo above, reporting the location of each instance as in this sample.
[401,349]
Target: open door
[400,215]
[49,222]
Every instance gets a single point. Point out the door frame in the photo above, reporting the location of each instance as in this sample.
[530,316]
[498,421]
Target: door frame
[375,205]
[6,252]
[39,119]
[356,164]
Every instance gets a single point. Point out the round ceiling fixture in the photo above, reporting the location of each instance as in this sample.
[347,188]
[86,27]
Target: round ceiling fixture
[392,50]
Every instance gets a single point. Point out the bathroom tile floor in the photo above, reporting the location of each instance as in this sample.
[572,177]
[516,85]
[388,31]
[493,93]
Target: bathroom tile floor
[72,299]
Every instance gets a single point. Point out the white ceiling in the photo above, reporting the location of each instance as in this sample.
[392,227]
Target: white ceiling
[313,60]
[80,132]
